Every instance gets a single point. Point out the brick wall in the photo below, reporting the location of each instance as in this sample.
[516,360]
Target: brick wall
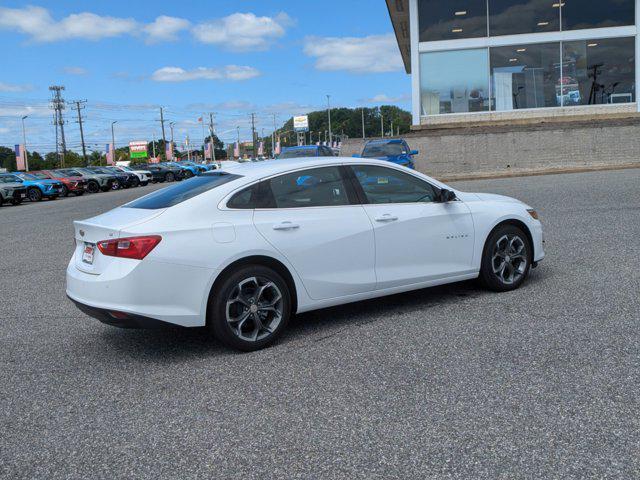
[521,148]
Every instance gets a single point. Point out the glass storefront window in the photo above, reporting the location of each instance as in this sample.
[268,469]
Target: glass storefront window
[454,81]
[599,71]
[525,76]
[510,17]
[451,19]
[579,14]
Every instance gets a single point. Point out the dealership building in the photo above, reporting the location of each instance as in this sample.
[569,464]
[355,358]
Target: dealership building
[492,60]
[508,86]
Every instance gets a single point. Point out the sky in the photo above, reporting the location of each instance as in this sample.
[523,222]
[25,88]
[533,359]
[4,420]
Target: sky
[128,58]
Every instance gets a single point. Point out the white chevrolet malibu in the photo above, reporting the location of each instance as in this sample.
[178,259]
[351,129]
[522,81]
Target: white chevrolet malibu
[240,251]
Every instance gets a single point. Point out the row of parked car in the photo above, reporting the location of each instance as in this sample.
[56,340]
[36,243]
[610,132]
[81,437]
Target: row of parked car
[15,187]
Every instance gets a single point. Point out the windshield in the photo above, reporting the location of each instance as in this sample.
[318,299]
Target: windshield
[67,173]
[9,179]
[298,152]
[26,176]
[170,196]
[40,176]
[383,150]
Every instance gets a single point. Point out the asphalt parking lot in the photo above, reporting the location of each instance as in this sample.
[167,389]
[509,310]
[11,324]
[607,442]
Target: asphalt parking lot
[451,382]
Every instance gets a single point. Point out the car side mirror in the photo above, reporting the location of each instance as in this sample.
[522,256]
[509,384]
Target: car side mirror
[414,152]
[447,196]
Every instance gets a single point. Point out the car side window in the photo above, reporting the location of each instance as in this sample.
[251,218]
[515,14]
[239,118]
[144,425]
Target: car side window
[255,196]
[315,187]
[387,185]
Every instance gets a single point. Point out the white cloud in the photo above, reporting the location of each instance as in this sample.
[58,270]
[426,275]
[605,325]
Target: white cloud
[38,23]
[229,72]
[40,26]
[164,29]
[14,88]
[243,31]
[384,98]
[75,70]
[372,54]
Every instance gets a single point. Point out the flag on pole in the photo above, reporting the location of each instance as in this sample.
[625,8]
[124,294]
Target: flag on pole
[20,157]
[110,154]
[278,147]
[261,148]
[236,149]
[168,150]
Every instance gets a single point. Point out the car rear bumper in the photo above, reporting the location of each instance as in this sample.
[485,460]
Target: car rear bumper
[120,319]
[174,294]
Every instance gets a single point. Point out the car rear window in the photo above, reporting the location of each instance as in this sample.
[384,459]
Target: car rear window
[170,196]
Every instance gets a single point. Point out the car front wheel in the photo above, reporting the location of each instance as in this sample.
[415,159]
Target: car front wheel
[34,194]
[506,259]
[93,187]
[250,309]
[169,177]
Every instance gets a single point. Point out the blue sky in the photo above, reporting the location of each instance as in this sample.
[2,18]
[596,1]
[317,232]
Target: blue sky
[192,57]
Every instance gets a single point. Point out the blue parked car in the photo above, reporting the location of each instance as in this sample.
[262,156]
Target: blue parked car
[306,151]
[188,171]
[37,188]
[201,168]
[394,150]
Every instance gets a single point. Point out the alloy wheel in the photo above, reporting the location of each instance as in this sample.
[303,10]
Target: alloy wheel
[254,308]
[509,258]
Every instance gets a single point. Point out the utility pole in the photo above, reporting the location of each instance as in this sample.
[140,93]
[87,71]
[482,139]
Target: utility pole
[253,133]
[212,144]
[78,104]
[55,122]
[164,140]
[362,110]
[171,124]
[113,143]
[273,138]
[58,105]
[154,144]
[392,128]
[381,125]
[24,142]
[329,114]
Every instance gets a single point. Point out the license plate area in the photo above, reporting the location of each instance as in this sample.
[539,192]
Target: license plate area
[88,253]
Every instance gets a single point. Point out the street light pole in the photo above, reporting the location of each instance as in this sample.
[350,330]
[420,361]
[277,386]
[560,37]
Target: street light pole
[329,113]
[24,142]
[113,143]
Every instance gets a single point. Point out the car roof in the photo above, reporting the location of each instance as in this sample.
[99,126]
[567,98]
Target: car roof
[257,170]
[303,147]
[389,140]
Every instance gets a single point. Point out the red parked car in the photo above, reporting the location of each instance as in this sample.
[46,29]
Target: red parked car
[75,185]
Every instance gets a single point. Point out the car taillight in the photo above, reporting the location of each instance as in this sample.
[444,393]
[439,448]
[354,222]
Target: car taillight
[133,247]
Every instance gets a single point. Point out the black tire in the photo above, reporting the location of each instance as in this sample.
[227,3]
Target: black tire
[229,287]
[506,259]
[34,194]
[65,191]
[144,184]
[116,185]
[135,183]
[93,187]
[169,177]
[188,174]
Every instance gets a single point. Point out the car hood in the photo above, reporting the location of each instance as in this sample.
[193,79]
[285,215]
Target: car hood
[11,186]
[491,197]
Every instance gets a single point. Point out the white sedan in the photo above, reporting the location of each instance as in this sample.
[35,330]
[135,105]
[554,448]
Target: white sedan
[240,251]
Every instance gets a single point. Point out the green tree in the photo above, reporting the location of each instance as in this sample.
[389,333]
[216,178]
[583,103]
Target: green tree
[96,158]
[7,159]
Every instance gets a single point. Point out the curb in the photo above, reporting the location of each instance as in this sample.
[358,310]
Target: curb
[535,173]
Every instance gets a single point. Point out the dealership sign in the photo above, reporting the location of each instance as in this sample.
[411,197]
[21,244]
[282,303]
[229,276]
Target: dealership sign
[301,123]
[138,150]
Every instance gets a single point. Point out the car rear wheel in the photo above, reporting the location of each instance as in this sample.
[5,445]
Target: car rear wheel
[250,309]
[506,259]
[170,177]
[188,174]
[93,187]
[34,194]
[64,192]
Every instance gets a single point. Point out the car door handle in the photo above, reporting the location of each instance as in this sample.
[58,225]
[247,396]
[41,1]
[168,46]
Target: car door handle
[286,226]
[386,218]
